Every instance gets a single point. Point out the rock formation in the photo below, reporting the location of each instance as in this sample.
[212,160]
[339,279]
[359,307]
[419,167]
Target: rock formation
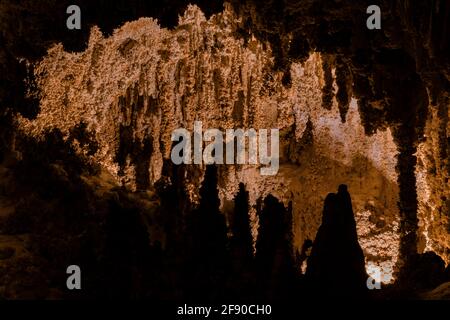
[368,109]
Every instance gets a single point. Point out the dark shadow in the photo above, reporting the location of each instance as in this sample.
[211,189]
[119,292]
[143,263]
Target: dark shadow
[241,282]
[424,272]
[336,265]
[208,261]
[274,254]
[241,240]
[67,223]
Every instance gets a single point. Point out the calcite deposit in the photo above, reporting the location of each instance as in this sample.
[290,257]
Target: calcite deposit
[131,90]
[368,109]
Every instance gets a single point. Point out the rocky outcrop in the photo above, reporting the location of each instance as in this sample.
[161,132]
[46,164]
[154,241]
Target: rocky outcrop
[364,108]
[131,90]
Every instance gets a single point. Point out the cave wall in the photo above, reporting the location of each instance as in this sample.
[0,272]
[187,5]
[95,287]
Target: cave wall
[432,174]
[367,108]
[399,74]
[132,89]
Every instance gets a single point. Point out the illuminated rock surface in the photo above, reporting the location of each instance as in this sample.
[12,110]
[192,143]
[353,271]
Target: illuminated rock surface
[342,120]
